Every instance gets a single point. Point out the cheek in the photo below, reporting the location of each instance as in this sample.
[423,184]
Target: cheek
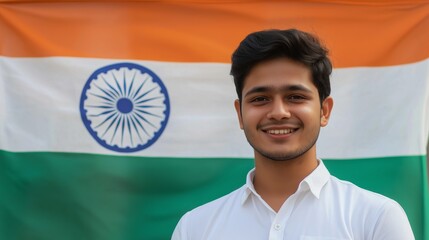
[247,118]
[251,117]
[308,113]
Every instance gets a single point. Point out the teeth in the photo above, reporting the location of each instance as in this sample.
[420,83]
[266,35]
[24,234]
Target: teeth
[280,131]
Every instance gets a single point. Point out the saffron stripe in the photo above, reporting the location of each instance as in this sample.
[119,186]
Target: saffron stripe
[201,31]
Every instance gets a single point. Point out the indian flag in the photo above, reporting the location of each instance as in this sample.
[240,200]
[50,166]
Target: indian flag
[116,117]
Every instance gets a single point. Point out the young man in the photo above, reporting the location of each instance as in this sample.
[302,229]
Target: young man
[282,82]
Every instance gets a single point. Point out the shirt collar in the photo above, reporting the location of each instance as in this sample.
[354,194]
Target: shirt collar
[313,182]
[317,179]
[249,188]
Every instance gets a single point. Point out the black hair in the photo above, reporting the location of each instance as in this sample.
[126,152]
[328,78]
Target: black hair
[293,44]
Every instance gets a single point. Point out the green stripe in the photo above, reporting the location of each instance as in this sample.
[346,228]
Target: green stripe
[84,196]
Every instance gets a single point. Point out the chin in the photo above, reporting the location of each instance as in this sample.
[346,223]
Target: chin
[280,156]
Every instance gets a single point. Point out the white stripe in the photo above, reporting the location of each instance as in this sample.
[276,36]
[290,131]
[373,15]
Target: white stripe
[378,111]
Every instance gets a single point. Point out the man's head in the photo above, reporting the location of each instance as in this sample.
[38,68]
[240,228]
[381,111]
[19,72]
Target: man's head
[296,45]
[282,81]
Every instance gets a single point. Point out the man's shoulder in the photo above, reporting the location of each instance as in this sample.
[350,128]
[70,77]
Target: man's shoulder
[361,197]
[381,215]
[216,206]
[201,217]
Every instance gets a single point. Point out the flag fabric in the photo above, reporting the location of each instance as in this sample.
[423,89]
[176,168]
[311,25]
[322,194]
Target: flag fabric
[116,117]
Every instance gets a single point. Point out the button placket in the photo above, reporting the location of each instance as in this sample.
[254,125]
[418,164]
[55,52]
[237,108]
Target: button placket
[279,223]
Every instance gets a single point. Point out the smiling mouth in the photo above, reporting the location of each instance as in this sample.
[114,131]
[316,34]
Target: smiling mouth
[281,131]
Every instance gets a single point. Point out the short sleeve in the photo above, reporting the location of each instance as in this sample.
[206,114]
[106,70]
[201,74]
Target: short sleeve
[392,223]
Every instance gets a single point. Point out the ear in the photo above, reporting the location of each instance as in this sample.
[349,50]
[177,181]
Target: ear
[325,113]
[238,110]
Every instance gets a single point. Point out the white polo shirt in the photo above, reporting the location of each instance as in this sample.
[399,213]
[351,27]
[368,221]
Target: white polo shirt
[322,208]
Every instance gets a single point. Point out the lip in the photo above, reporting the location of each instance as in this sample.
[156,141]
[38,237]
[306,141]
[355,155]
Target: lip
[278,127]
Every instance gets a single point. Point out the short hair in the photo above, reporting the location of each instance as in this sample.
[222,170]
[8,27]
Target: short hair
[293,44]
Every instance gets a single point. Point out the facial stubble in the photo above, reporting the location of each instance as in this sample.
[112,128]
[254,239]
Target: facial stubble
[288,156]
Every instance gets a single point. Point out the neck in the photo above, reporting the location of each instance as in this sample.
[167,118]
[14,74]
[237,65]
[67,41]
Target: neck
[275,181]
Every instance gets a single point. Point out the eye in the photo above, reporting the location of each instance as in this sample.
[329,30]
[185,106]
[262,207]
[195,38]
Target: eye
[259,100]
[296,98]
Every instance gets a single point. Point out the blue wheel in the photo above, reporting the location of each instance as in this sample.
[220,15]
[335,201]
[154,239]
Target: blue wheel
[125,107]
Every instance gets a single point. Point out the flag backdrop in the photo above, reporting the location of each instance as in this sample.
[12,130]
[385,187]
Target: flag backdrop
[116,117]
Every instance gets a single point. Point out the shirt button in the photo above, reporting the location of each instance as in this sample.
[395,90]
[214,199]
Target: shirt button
[277,227]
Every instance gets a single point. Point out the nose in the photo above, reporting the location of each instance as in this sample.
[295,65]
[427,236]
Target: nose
[279,110]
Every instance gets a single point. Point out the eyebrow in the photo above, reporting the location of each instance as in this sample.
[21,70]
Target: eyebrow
[261,89]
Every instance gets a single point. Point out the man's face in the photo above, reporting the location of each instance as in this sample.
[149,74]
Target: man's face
[280,112]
